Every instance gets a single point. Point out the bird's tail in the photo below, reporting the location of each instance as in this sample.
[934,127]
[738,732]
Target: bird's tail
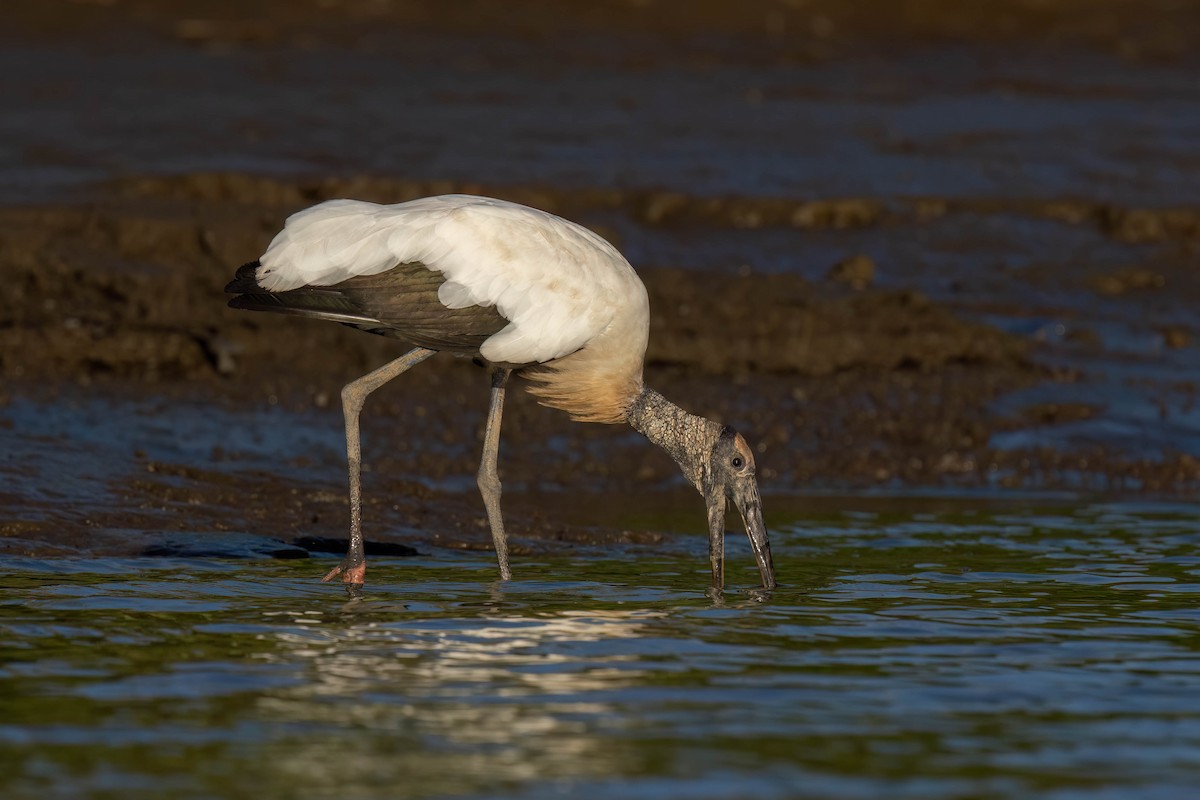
[316,302]
[244,281]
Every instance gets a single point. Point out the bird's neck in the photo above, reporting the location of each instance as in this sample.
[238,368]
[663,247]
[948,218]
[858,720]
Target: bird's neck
[688,439]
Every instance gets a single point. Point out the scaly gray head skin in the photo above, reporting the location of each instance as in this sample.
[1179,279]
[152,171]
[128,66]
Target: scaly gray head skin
[719,463]
[730,476]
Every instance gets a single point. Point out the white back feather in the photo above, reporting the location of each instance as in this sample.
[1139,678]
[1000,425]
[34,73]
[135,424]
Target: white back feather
[558,284]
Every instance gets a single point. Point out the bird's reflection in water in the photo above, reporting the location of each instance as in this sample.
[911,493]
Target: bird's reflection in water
[525,693]
[432,657]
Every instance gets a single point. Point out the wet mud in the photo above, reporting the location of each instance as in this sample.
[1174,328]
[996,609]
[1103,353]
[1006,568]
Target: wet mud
[880,299]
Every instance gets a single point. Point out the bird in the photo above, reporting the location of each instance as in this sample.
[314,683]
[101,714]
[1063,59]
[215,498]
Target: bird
[523,292]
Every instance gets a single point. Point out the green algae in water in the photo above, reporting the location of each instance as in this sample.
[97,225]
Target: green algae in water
[977,651]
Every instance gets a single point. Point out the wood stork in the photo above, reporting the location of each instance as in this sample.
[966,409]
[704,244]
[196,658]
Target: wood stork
[525,291]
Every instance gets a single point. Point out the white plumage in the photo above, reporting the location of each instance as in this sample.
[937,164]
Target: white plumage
[558,284]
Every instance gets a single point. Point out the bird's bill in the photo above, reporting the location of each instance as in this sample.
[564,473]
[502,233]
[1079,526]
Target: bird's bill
[745,497]
[716,537]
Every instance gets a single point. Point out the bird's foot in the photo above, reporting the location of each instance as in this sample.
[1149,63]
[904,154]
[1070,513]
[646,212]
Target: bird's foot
[352,570]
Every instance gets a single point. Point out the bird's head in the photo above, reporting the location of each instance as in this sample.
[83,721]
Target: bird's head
[730,476]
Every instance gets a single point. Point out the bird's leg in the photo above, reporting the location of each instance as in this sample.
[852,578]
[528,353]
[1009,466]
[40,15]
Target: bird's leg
[354,568]
[488,478]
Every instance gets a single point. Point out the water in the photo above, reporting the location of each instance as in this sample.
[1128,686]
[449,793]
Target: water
[939,121]
[927,649]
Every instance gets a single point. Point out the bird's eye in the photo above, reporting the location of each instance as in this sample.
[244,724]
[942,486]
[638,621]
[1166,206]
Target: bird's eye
[737,462]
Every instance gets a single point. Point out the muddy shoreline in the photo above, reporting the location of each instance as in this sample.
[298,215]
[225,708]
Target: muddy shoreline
[841,385]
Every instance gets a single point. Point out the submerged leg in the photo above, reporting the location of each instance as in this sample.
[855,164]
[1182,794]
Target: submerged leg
[354,568]
[488,478]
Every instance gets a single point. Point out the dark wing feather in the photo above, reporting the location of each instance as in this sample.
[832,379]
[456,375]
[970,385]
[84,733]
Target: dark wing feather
[402,303]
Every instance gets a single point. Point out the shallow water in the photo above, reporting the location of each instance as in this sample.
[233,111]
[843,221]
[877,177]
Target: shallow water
[942,121]
[982,649]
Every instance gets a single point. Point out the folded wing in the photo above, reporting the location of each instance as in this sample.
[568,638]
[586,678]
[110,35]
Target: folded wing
[519,285]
